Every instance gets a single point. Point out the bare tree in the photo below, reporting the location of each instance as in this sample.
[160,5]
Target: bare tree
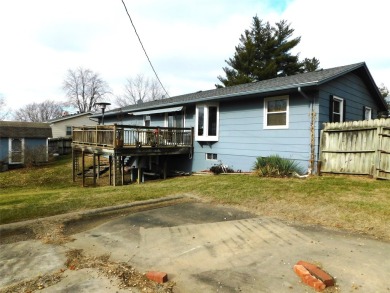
[84,88]
[3,110]
[139,90]
[39,112]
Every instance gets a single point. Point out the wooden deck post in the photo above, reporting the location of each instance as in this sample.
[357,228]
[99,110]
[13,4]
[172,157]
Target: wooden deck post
[123,169]
[73,165]
[82,167]
[110,168]
[94,169]
[98,173]
[114,168]
[139,170]
[165,168]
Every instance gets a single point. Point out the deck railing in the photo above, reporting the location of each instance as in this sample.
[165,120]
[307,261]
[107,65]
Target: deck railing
[122,136]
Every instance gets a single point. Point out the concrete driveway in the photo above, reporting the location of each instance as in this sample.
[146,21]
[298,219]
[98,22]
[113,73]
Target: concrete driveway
[205,248]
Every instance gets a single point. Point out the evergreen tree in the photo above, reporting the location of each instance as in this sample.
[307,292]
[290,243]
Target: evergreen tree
[383,90]
[264,53]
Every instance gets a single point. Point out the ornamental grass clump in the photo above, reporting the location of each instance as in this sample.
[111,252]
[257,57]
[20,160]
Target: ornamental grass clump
[275,166]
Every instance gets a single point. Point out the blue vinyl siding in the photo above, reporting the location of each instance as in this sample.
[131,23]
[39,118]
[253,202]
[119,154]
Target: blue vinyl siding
[353,90]
[3,148]
[242,137]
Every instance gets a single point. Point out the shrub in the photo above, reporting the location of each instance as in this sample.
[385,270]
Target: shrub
[220,168]
[35,155]
[275,166]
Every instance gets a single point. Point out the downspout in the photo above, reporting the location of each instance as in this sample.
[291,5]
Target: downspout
[312,131]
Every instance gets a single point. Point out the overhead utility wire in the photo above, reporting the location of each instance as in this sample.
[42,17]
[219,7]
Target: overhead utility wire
[150,62]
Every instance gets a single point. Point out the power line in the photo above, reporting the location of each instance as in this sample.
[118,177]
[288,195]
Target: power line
[143,48]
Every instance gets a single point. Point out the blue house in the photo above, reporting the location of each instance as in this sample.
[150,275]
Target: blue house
[237,124]
[23,142]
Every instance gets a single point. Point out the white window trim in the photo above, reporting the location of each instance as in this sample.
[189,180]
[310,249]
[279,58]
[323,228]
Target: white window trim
[207,159]
[335,98]
[205,122]
[266,100]
[365,111]
[10,151]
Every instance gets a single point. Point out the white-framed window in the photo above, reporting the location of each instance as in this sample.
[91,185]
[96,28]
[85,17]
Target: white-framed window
[367,113]
[207,122]
[211,157]
[337,110]
[276,112]
[16,151]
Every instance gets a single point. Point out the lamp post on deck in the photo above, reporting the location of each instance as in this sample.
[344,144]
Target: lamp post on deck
[103,105]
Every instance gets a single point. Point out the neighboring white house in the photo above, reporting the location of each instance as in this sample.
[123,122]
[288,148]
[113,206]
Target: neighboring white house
[62,127]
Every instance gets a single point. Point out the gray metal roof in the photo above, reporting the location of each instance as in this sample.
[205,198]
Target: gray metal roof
[16,129]
[308,79]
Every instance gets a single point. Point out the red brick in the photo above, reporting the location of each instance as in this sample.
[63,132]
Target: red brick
[318,273]
[301,271]
[309,279]
[159,277]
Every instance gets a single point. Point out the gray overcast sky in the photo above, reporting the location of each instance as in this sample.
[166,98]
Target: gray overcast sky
[188,41]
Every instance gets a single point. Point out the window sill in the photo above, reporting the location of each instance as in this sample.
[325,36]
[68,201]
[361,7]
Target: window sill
[276,127]
[206,138]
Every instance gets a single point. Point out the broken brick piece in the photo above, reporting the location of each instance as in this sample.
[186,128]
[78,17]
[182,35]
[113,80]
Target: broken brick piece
[308,278]
[320,274]
[159,277]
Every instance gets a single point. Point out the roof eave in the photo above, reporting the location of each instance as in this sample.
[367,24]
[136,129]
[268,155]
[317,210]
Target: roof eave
[274,90]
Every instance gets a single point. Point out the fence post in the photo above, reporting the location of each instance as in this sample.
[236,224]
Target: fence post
[378,147]
[114,136]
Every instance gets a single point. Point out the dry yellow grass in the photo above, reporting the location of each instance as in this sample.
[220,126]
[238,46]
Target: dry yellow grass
[358,204]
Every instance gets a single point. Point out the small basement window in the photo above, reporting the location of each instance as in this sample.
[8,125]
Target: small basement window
[211,156]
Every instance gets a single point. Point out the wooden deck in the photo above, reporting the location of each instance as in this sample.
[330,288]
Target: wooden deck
[132,140]
[129,143]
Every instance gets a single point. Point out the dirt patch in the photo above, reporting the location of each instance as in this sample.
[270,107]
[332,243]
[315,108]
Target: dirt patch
[38,283]
[59,229]
[127,276]
[16,235]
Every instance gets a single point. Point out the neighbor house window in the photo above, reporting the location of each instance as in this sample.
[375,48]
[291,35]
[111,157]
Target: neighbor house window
[367,113]
[207,122]
[68,130]
[211,156]
[337,109]
[276,112]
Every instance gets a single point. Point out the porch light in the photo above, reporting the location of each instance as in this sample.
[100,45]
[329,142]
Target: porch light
[102,105]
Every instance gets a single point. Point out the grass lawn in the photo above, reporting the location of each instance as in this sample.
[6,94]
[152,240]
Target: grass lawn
[354,203]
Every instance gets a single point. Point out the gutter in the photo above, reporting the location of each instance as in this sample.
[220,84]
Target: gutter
[208,98]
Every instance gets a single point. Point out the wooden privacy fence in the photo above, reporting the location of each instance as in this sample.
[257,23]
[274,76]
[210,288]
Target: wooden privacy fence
[62,145]
[358,148]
